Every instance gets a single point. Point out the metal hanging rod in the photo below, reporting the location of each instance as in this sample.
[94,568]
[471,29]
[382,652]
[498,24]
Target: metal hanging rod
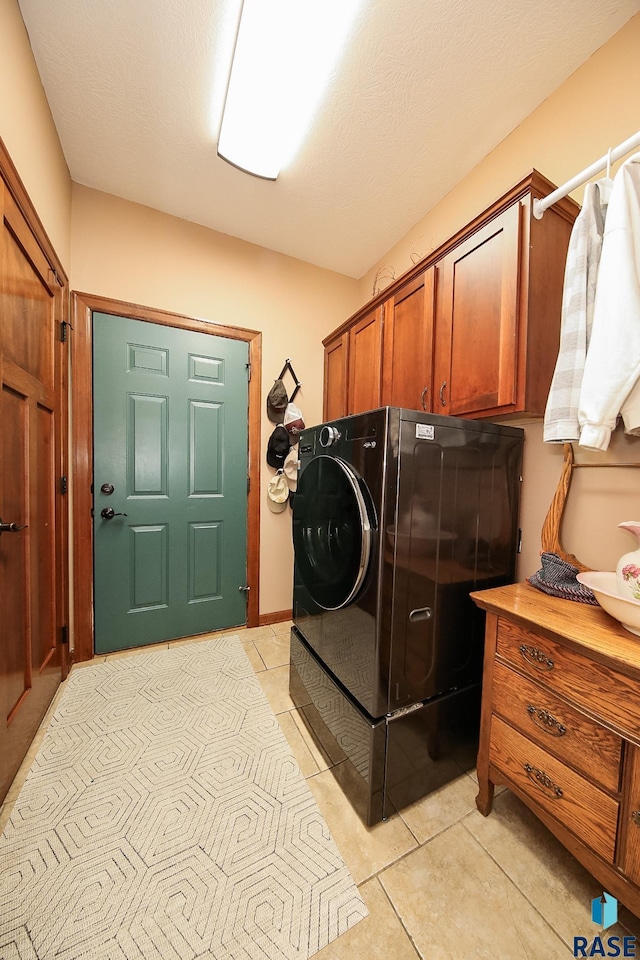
[612,463]
[539,206]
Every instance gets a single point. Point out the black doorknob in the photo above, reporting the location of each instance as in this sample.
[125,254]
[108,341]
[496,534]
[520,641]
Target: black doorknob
[108,513]
[11,527]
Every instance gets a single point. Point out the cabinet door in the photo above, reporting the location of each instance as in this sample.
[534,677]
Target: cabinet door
[336,360]
[629,844]
[477,320]
[365,363]
[407,356]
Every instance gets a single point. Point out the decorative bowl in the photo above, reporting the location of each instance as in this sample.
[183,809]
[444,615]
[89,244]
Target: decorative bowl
[624,609]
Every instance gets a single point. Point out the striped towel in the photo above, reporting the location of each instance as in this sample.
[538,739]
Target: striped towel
[561,423]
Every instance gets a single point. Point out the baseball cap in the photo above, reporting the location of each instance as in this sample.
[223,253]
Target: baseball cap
[277,400]
[278,492]
[293,420]
[278,447]
[290,467]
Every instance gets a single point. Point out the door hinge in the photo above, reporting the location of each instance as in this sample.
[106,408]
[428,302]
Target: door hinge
[64,635]
[56,278]
[64,485]
[63,330]
[248,484]
[248,372]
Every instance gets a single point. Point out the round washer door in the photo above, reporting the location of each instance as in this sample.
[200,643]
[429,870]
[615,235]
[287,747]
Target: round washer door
[331,532]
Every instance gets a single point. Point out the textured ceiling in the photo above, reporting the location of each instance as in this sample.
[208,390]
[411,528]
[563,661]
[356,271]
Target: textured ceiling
[425,90]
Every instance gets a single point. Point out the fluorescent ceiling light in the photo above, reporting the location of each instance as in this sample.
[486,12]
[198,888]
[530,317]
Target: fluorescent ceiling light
[285,53]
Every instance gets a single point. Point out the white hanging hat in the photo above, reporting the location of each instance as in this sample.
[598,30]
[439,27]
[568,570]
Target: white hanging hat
[291,467]
[277,492]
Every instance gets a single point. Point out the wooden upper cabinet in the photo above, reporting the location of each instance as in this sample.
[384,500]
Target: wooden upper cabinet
[336,371]
[365,363]
[477,320]
[473,330]
[407,352]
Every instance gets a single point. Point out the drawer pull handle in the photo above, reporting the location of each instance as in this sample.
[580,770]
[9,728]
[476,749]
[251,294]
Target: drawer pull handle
[545,721]
[537,658]
[541,780]
[635,816]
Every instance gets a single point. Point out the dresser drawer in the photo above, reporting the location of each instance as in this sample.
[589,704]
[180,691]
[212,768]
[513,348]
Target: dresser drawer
[611,696]
[584,809]
[556,726]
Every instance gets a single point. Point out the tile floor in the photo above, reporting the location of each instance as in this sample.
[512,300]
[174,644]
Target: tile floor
[441,881]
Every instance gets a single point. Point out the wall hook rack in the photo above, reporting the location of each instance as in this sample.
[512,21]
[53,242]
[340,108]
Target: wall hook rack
[298,383]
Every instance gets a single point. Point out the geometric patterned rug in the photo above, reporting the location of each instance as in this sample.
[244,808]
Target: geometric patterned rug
[164,818]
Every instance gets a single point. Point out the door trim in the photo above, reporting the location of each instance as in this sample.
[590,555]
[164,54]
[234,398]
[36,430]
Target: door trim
[18,191]
[58,280]
[83,306]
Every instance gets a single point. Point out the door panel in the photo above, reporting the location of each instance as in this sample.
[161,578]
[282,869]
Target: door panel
[206,455]
[32,407]
[408,345]
[43,483]
[336,368]
[170,435]
[15,414]
[477,319]
[205,561]
[147,446]
[365,363]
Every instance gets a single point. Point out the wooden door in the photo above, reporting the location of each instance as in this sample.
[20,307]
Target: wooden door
[32,420]
[408,345]
[170,482]
[365,363]
[477,320]
[336,371]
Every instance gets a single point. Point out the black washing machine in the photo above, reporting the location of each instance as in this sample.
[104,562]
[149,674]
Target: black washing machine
[397,517]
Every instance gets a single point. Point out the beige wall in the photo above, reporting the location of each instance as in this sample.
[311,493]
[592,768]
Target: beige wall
[596,108]
[28,132]
[130,252]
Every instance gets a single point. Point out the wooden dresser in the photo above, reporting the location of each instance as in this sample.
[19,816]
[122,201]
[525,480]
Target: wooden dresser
[561,726]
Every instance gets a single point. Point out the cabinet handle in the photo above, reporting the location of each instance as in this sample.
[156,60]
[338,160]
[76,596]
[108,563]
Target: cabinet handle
[545,721]
[541,780]
[442,399]
[635,816]
[422,396]
[537,658]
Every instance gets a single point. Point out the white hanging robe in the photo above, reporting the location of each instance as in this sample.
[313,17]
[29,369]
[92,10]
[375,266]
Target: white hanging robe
[612,368]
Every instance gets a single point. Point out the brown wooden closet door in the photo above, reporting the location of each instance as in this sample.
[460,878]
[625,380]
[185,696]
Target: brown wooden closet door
[31,415]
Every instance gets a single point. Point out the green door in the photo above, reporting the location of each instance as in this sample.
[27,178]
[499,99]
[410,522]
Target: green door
[170,438]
